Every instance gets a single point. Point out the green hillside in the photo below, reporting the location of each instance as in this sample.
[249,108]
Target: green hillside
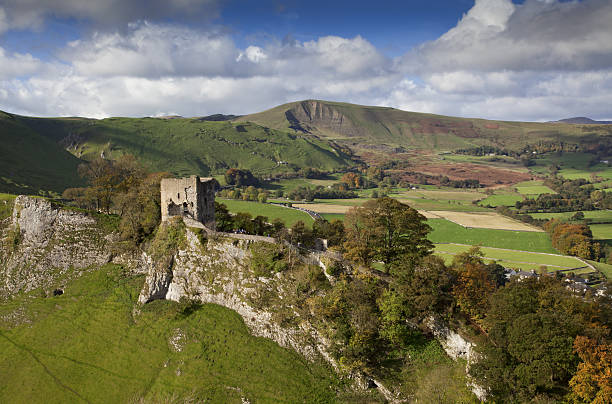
[89,345]
[31,161]
[33,153]
[392,127]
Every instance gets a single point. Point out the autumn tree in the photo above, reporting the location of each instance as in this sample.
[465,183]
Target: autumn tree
[353,180]
[386,230]
[532,324]
[592,382]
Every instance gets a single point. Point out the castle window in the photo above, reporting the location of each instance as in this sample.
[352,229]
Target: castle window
[178,196]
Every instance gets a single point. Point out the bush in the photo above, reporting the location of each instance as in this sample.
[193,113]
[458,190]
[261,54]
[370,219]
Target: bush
[267,259]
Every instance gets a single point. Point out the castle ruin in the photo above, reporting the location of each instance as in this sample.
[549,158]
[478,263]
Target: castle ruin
[191,197]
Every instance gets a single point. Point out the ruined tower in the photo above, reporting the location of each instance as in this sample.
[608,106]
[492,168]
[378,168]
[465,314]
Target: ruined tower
[191,197]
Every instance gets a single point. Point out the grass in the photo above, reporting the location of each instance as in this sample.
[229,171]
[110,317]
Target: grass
[516,259]
[32,154]
[445,231]
[601,231]
[6,205]
[605,269]
[594,215]
[31,163]
[573,165]
[289,216]
[501,200]
[88,345]
[533,188]
[332,216]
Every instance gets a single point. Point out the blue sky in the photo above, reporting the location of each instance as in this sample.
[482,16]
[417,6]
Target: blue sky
[498,59]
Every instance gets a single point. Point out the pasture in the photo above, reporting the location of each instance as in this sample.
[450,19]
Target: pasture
[601,231]
[501,199]
[444,231]
[595,215]
[287,215]
[519,259]
[533,188]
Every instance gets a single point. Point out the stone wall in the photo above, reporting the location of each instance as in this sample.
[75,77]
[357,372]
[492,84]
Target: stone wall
[191,197]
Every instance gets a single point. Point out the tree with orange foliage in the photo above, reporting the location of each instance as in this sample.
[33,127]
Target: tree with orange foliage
[592,382]
[353,180]
[473,289]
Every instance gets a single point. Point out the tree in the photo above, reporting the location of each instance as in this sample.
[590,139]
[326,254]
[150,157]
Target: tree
[386,230]
[241,178]
[223,219]
[421,290]
[333,232]
[532,324]
[473,288]
[592,382]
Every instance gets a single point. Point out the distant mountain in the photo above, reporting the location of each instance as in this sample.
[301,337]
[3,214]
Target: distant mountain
[367,130]
[581,120]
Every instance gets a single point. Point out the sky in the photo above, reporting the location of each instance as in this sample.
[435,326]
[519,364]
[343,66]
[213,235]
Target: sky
[528,60]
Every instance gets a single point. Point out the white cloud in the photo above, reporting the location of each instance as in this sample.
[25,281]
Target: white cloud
[497,35]
[17,65]
[541,60]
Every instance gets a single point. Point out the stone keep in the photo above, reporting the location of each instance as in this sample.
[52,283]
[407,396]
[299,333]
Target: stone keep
[191,197]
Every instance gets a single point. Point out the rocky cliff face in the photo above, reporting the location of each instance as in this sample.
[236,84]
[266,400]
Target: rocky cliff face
[43,242]
[219,272]
[314,114]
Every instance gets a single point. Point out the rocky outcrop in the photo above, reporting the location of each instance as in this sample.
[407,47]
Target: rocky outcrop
[219,273]
[43,242]
[457,347]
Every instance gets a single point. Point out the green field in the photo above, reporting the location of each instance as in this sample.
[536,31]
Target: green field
[445,231]
[288,215]
[533,188]
[332,216]
[605,269]
[501,200]
[601,231]
[88,345]
[573,165]
[595,215]
[518,259]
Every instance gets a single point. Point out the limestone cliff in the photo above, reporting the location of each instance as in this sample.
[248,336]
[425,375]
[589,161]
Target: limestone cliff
[43,242]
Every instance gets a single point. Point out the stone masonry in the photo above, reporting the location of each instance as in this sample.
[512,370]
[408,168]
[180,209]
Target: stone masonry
[191,197]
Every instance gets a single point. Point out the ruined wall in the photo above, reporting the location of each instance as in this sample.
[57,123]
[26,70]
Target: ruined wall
[190,197]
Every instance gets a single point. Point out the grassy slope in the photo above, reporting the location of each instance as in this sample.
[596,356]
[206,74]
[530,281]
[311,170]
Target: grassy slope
[88,345]
[191,146]
[422,131]
[30,161]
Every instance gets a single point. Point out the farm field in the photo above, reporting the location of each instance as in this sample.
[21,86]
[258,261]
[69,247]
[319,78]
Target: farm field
[508,258]
[573,165]
[533,188]
[288,215]
[601,231]
[502,199]
[485,220]
[444,231]
[595,215]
